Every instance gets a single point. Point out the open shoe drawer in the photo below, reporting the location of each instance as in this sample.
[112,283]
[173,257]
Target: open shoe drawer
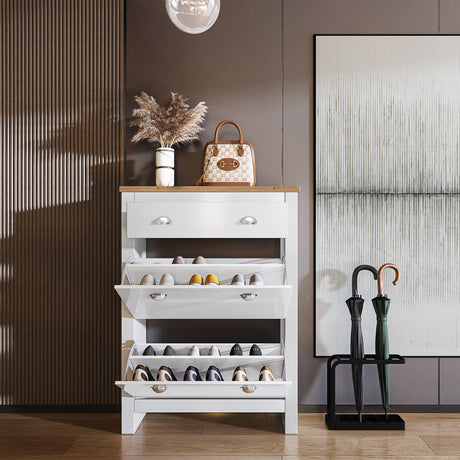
[200,302]
[205,390]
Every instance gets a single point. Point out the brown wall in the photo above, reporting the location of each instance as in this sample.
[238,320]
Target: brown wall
[256,66]
[62,146]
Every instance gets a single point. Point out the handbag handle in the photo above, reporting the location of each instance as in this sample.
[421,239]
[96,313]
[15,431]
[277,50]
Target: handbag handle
[226,122]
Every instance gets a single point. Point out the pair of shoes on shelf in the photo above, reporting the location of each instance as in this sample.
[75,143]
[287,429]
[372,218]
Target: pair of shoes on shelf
[255,280]
[195,351]
[237,351]
[213,374]
[166,280]
[265,375]
[150,351]
[179,260]
[142,374]
[197,280]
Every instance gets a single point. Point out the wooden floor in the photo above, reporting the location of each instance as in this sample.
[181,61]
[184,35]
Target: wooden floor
[231,437]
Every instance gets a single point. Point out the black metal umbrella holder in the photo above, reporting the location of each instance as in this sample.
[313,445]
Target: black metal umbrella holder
[351,421]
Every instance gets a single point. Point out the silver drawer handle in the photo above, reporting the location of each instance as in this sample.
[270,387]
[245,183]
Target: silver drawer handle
[158,297]
[249,388]
[248,296]
[248,220]
[159,388]
[162,220]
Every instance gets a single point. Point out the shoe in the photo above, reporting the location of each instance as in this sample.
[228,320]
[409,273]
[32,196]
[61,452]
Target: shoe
[239,375]
[256,280]
[196,280]
[142,374]
[255,351]
[266,375]
[212,280]
[149,351]
[236,350]
[178,260]
[169,351]
[194,351]
[147,280]
[213,375]
[238,280]
[165,374]
[199,260]
[192,374]
[167,280]
[214,351]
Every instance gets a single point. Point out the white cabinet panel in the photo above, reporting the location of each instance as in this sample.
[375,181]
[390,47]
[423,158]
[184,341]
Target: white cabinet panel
[206,220]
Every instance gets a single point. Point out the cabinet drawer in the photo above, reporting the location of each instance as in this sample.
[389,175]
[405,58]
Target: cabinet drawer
[206,220]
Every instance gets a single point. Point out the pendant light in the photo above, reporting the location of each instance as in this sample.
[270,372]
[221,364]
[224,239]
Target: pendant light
[193,16]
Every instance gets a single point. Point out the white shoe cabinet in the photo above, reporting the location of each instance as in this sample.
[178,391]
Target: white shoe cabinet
[209,212]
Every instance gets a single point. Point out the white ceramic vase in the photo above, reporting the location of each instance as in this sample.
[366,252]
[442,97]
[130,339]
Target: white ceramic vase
[164,162]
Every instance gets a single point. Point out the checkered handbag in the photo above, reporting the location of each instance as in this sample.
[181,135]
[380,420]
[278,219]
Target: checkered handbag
[228,162]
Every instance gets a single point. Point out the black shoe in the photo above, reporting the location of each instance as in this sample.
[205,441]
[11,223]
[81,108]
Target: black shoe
[255,351]
[149,351]
[169,351]
[192,375]
[165,374]
[214,375]
[236,350]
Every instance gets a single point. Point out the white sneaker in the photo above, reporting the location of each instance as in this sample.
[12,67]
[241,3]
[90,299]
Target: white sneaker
[214,351]
[147,280]
[238,280]
[167,280]
[256,280]
[194,351]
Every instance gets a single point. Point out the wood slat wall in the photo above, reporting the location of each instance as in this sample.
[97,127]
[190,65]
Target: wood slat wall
[62,150]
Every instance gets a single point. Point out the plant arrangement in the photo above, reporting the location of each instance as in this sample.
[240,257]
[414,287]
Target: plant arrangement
[168,125]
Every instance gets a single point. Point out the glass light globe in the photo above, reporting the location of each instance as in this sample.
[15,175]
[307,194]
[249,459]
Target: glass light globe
[193,16]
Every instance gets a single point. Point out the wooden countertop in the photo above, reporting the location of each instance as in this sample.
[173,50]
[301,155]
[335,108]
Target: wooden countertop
[210,188]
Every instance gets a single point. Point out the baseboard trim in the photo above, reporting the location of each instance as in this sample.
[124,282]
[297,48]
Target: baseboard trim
[303,408]
[423,408]
[35,408]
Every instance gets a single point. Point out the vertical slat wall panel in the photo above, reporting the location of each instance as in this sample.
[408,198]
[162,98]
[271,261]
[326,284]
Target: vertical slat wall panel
[62,151]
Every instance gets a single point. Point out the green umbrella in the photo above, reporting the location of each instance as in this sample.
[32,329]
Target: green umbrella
[381,306]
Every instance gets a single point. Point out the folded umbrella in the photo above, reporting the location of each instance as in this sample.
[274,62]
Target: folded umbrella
[381,306]
[355,304]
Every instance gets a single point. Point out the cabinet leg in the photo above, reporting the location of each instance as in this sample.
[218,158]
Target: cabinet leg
[290,417]
[130,420]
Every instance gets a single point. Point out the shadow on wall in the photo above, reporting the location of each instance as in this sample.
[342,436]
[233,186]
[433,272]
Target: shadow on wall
[61,311]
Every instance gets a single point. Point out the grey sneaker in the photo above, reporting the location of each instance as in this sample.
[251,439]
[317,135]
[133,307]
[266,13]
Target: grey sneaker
[149,351]
[169,351]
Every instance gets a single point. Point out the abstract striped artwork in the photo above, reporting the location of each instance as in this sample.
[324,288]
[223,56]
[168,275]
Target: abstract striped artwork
[388,188]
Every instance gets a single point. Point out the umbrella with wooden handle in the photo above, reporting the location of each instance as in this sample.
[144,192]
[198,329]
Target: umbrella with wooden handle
[355,304]
[381,306]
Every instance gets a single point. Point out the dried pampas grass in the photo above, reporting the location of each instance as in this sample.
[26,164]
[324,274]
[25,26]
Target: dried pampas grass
[174,124]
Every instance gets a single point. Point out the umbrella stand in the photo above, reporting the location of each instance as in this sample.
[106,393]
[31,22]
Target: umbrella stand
[381,305]
[351,421]
[355,304]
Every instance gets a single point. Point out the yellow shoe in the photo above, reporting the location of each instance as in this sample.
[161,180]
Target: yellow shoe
[212,280]
[196,280]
